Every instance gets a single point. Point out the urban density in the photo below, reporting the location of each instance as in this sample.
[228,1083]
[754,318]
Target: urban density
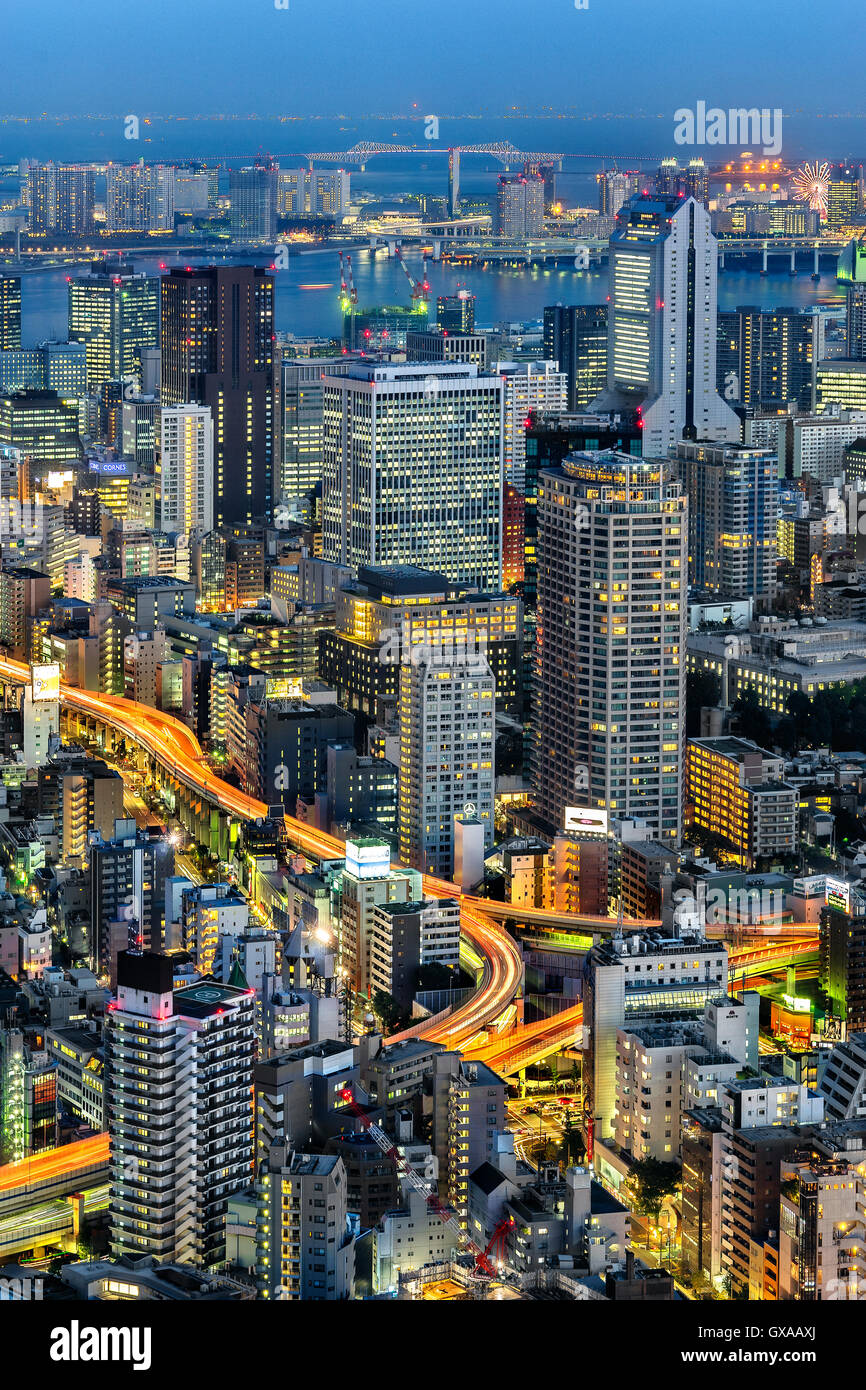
[432,670]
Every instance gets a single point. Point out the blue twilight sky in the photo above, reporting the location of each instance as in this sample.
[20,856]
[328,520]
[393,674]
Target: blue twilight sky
[360,57]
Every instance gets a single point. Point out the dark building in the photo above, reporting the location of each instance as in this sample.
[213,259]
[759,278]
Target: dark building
[287,743]
[766,358]
[701,1133]
[218,350]
[127,894]
[10,312]
[253,194]
[455,313]
[575,336]
[842,966]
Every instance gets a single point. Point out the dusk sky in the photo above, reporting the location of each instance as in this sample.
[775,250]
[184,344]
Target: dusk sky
[368,56]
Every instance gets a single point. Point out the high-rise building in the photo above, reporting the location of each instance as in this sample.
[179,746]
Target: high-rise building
[616,187]
[368,882]
[455,313]
[313,193]
[447,725]
[413,470]
[127,894]
[60,199]
[531,389]
[855,341]
[733,494]
[520,207]
[609,695]
[767,358]
[115,313]
[218,351]
[253,194]
[844,195]
[41,426]
[575,336]
[187,468]
[28,1097]
[180,1117]
[299,384]
[842,969]
[139,197]
[662,324]
[737,791]
[468,1113]
[10,312]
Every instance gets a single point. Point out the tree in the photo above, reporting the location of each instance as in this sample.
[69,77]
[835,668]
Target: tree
[573,1146]
[702,688]
[651,1180]
[753,718]
[386,1009]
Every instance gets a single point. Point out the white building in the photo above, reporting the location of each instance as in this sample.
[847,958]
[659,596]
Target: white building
[447,731]
[530,387]
[179,1064]
[408,1238]
[305,1250]
[368,881]
[662,324]
[413,470]
[187,468]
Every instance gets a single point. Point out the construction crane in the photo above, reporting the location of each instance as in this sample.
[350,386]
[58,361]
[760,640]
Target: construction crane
[420,289]
[484,1266]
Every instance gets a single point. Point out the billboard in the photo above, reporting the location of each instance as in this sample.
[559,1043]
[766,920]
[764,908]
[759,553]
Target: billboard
[585,820]
[45,682]
[367,858]
[837,894]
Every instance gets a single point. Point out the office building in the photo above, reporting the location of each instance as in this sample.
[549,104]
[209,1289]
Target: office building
[60,199]
[10,312]
[413,470]
[733,497]
[736,790]
[41,426]
[115,313]
[842,383]
[447,725]
[608,729]
[855,335]
[390,617]
[531,389]
[842,959]
[844,195]
[455,313]
[300,423]
[139,197]
[520,207]
[575,336]
[305,1249]
[179,1066]
[662,324]
[187,468]
[218,351]
[287,742]
[253,194]
[436,345]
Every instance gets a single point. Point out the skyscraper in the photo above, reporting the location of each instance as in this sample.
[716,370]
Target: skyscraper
[856,322]
[844,195]
[139,197]
[253,194]
[218,351]
[615,187]
[455,313]
[610,672]
[10,312]
[520,207]
[531,388]
[662,324]
[413,470]
[60,199]
[179,1101]
[733,497]
[299,384]
[447,723]
[187,468]
[769,357]
[115,313]
[575,336]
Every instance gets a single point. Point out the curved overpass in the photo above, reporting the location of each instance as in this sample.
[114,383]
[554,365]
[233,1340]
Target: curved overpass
[178,750]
